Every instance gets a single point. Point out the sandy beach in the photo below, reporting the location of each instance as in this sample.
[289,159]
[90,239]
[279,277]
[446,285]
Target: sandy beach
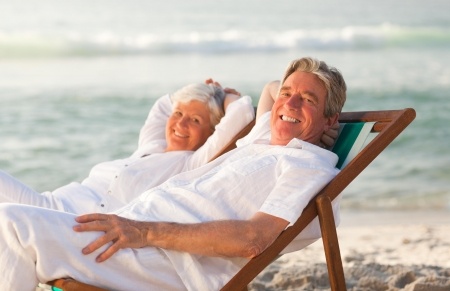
[380,251]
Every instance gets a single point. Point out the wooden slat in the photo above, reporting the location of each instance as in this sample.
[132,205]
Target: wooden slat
[330,243]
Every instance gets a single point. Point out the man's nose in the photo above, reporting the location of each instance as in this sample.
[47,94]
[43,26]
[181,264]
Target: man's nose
[293,103]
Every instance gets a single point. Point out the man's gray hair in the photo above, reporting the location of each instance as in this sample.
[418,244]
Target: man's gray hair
[330,76]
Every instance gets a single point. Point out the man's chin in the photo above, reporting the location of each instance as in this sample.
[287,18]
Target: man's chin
[280,140]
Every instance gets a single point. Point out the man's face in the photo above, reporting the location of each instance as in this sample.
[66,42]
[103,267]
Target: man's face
[188,127]
[298,111]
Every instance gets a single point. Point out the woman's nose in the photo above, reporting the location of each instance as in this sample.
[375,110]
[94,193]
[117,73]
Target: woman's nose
[183,122]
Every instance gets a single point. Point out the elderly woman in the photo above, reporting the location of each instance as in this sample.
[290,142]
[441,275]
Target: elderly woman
[183,131]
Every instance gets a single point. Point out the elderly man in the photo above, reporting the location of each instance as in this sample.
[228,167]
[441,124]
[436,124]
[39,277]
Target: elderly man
[196,230]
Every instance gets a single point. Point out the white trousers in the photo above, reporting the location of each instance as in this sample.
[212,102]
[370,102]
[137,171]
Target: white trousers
[74,197]
[39,245]
[14,191]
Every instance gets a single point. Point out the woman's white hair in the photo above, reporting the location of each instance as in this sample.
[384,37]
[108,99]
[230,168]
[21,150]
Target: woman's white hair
[209,94]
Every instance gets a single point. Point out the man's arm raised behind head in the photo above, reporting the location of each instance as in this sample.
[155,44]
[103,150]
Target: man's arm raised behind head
[267,98]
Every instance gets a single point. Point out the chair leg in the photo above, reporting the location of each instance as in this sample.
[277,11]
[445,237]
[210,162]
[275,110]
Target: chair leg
[330,243]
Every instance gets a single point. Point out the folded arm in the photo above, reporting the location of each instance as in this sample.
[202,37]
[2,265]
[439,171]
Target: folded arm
[227,238]
[155,124]
[239,112]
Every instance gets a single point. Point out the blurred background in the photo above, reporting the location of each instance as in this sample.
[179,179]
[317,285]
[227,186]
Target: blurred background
[77,78]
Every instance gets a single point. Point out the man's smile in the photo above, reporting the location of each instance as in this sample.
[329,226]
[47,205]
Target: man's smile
[289,119]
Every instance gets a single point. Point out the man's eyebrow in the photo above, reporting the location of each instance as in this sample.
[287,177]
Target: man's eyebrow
[308,93]
[285,88]
[311,94]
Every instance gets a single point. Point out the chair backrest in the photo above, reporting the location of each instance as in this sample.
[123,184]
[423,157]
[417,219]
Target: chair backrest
[388,125]
[351,139]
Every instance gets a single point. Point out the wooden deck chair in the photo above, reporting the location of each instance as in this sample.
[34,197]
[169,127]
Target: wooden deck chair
[354,130]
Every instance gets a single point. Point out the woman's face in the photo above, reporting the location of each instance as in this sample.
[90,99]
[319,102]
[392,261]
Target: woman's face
[188,127]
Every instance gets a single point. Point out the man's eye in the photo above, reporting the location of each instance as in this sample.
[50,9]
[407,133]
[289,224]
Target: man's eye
[195,120]
[177,113]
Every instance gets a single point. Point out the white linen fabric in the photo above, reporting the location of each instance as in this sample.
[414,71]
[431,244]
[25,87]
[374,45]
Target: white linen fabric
[257,177]
[113,184]
[39,245]
[261,134]
[276,180]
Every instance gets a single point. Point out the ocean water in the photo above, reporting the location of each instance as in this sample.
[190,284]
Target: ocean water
[78,78]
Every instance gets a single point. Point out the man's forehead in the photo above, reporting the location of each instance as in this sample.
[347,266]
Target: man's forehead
[301,77]
[306,83]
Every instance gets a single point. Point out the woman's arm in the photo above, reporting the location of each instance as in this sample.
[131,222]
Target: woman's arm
[239,112]
[155,125]
[231,94]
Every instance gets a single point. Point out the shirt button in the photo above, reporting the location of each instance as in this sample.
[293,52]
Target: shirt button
[102,205]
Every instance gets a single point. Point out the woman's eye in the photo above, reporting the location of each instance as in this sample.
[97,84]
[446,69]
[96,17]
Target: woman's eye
[177,113]
[195,120]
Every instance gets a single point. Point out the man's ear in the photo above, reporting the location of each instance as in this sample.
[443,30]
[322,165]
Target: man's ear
[331,121]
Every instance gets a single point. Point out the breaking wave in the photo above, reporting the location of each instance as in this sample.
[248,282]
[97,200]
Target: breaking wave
[71,43]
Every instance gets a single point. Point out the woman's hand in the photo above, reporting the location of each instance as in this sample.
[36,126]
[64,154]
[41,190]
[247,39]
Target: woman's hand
[119,232]
[231,94]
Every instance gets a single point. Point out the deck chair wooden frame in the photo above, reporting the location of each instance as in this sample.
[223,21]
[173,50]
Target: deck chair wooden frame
[388,125]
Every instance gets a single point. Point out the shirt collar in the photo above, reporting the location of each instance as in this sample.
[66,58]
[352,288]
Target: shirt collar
[300,144]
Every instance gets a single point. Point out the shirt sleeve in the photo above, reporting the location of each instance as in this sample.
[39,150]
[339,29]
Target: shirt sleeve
[261,131]
[155,125]
[297,183]
[238,114]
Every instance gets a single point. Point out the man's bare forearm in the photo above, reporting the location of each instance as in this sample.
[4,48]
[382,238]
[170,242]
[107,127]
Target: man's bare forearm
[218,238]
[226,238]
